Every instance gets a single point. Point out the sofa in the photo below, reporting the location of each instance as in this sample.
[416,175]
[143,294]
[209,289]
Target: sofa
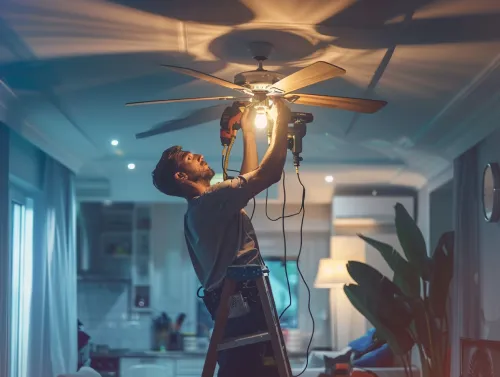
[316,365]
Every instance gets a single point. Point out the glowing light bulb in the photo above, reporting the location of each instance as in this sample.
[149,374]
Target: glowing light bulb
[261,120]
[329,178]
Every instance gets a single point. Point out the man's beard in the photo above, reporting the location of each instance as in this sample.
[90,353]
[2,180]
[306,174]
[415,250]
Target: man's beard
[204,176]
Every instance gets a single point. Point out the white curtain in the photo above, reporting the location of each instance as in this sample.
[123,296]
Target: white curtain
[54,306]
[4,252]
[466,293]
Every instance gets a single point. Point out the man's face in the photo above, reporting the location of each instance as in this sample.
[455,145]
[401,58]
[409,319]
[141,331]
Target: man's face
[195,166]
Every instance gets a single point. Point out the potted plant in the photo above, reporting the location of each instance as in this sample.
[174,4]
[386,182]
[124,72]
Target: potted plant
[412,308]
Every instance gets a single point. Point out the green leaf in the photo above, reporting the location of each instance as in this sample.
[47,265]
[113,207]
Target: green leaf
[420,325]
[405,277]
[371,279]
[399,340]
[442,273]
[389,302]
[412,241]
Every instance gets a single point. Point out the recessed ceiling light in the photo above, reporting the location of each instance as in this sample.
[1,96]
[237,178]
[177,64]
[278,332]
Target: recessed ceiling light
[329,178]
[131,166]
[114,142]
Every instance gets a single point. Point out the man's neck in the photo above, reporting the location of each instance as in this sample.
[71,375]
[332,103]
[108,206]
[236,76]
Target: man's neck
[198,189]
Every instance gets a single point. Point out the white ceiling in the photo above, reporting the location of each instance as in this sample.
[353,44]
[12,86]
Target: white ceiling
[71,65]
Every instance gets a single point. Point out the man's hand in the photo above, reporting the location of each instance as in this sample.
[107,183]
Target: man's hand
[279,111]
[250,157]
[247,120]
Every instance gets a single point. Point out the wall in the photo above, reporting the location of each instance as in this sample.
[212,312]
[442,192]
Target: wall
[104,306]
[488,241]
[424,201]
[440,213]
[25,163]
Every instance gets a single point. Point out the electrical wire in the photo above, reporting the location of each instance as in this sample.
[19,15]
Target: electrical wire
[282,218]
[284,247]
[284,193]
[302,276]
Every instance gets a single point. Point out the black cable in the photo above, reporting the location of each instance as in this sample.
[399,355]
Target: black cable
[284,246]
[282,217]
[286,216]
[253,210]
[302,276]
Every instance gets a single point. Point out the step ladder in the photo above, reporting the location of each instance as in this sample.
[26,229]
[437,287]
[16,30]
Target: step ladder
[234,275]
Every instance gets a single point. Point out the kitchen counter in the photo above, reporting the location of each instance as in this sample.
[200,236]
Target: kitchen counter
[166,363]
[168,354]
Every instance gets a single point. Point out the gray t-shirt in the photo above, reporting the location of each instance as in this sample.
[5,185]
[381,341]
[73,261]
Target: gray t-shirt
[219,233]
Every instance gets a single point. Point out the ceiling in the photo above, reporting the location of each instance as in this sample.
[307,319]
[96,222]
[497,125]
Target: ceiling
[70,66]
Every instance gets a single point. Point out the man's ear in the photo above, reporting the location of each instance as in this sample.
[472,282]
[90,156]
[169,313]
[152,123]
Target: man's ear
[180,177]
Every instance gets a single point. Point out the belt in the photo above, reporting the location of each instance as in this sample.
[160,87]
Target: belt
[247,290]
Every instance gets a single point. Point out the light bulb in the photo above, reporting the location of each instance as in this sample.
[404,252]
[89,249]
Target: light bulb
[261,120]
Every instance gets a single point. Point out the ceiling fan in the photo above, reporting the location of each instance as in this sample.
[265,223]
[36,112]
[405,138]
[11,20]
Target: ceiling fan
[257,86]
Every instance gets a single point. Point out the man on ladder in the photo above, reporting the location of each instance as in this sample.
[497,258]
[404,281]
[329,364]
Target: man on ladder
[219,234]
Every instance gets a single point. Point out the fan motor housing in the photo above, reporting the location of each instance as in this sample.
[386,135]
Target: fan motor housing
[259,80]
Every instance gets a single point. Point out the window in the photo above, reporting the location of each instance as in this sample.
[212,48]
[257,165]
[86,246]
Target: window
[277,278]
[21,250]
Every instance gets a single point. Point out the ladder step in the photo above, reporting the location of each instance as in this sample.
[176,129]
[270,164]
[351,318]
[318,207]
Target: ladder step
[244,341]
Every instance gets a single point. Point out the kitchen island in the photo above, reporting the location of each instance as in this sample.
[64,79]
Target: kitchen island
[138,363]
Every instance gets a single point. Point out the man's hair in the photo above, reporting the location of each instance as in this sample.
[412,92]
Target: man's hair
[163,175]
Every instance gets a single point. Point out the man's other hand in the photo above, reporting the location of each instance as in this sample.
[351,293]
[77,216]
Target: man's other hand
[279,111]
[247,120]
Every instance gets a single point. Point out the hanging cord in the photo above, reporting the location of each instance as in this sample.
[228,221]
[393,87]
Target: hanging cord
[302,276]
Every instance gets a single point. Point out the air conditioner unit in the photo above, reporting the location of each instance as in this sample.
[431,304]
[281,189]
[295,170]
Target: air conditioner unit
[89,189]
[367,210]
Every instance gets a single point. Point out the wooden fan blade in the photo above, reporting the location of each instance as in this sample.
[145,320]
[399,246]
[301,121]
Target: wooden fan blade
[344,103]
[155,102]
[207,77]
[316,72]
[191,119]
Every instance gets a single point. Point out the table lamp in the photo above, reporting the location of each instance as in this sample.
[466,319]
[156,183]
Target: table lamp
[332,274]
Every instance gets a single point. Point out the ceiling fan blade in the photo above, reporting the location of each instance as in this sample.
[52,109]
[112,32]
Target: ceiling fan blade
[316,72]
[191,119]
[344,103]
[207,77]
[155,102]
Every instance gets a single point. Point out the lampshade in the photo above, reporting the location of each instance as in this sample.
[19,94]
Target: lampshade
[332,272]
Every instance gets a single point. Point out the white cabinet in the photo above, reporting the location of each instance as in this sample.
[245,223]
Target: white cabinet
[147,367]
[175,366]
[191,367]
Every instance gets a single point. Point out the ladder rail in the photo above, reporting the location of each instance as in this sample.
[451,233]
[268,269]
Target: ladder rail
[219,327]
[260,275]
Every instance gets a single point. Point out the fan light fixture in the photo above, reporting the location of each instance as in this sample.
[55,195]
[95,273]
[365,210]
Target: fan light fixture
[259,86]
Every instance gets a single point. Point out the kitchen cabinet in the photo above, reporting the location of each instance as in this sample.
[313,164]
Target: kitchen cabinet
[175,364]
[191,367]
[147,367]
[161,366]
